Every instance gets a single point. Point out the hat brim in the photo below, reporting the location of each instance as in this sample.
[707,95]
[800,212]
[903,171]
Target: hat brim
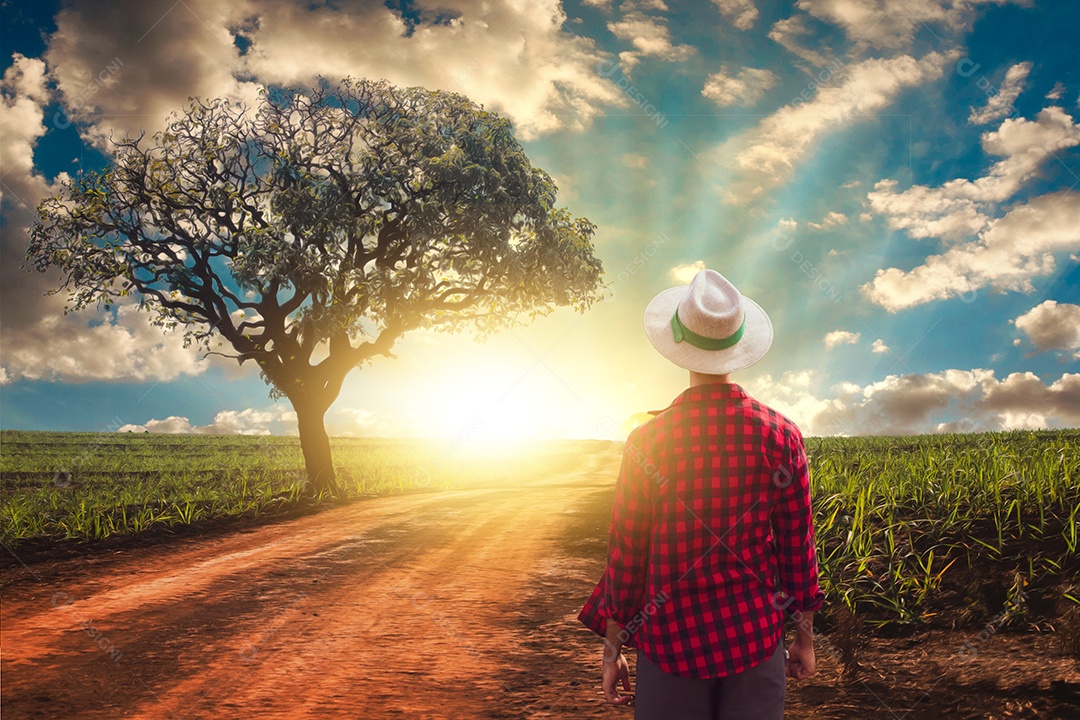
[756,340]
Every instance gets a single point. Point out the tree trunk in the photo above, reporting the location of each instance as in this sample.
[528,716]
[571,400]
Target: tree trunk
[316,446]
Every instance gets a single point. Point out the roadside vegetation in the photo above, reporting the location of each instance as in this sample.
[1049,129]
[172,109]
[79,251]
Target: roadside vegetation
[949,530]
[939,530]
[89,486]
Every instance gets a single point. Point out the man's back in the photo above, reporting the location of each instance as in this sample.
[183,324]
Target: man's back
[701,488]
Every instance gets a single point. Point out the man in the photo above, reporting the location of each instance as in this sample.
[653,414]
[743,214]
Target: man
[711,539]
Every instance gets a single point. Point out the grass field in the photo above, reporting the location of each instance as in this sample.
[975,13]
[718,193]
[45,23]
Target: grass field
[950,530]
[90,486]
[930,530]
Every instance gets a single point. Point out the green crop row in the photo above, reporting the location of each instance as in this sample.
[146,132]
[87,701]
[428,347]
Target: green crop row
[987,523]
[87,486]
[906,527]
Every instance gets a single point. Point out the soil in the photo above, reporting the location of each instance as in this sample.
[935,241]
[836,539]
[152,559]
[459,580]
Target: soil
[458,604]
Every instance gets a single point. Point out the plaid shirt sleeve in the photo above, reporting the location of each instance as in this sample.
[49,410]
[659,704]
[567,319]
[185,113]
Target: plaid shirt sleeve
[628,538]
[792,523]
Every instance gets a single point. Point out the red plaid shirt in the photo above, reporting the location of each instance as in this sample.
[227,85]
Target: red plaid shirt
[711,535]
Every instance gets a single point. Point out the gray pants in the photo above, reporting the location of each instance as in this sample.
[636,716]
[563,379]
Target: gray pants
[756,694]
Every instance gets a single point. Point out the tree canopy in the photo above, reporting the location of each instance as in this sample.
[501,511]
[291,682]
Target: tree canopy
[310,233]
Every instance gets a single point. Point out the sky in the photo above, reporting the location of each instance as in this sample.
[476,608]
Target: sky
[894,181]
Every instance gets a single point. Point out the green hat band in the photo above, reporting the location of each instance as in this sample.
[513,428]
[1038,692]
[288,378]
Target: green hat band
[683,333]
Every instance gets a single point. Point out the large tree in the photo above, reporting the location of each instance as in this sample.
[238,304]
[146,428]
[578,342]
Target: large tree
[308,234]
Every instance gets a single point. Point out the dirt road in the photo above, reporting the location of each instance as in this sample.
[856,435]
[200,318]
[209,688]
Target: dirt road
[419,606]
[443,605]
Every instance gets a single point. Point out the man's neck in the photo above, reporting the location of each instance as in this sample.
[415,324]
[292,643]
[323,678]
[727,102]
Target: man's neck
[697,378]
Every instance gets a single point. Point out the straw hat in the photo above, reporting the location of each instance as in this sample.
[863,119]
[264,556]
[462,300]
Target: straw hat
[708,326]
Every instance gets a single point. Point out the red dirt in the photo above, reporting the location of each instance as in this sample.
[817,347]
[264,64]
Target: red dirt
[444,605]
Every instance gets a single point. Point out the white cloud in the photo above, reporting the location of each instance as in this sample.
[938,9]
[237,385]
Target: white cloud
[241,422]
[1024,395]
[1008,254]
[511,56]
[841,337]
[683,274]
[1052,326]
[893,23]
[650,37]
[40,342]
[633,160]
[742,13]
[517,58]
[765,156]
[1000,103]
[831,219]
[792,395]
[946,401]
[567,186]
[23,94]
[628,61]
[64,348]
[174,424]
[125,66]
[959,208]
[1024,142]
[788,33]
[744,88]
[788,225]
[628,5]
[352,422]
[1056,92]
[274,420]
[226,422]
[879,346]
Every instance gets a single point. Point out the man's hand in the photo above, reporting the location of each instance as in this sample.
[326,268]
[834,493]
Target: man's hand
[615,667]
[801,662]
[615,671]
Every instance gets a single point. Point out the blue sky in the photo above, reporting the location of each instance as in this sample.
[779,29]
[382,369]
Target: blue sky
[894,182]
